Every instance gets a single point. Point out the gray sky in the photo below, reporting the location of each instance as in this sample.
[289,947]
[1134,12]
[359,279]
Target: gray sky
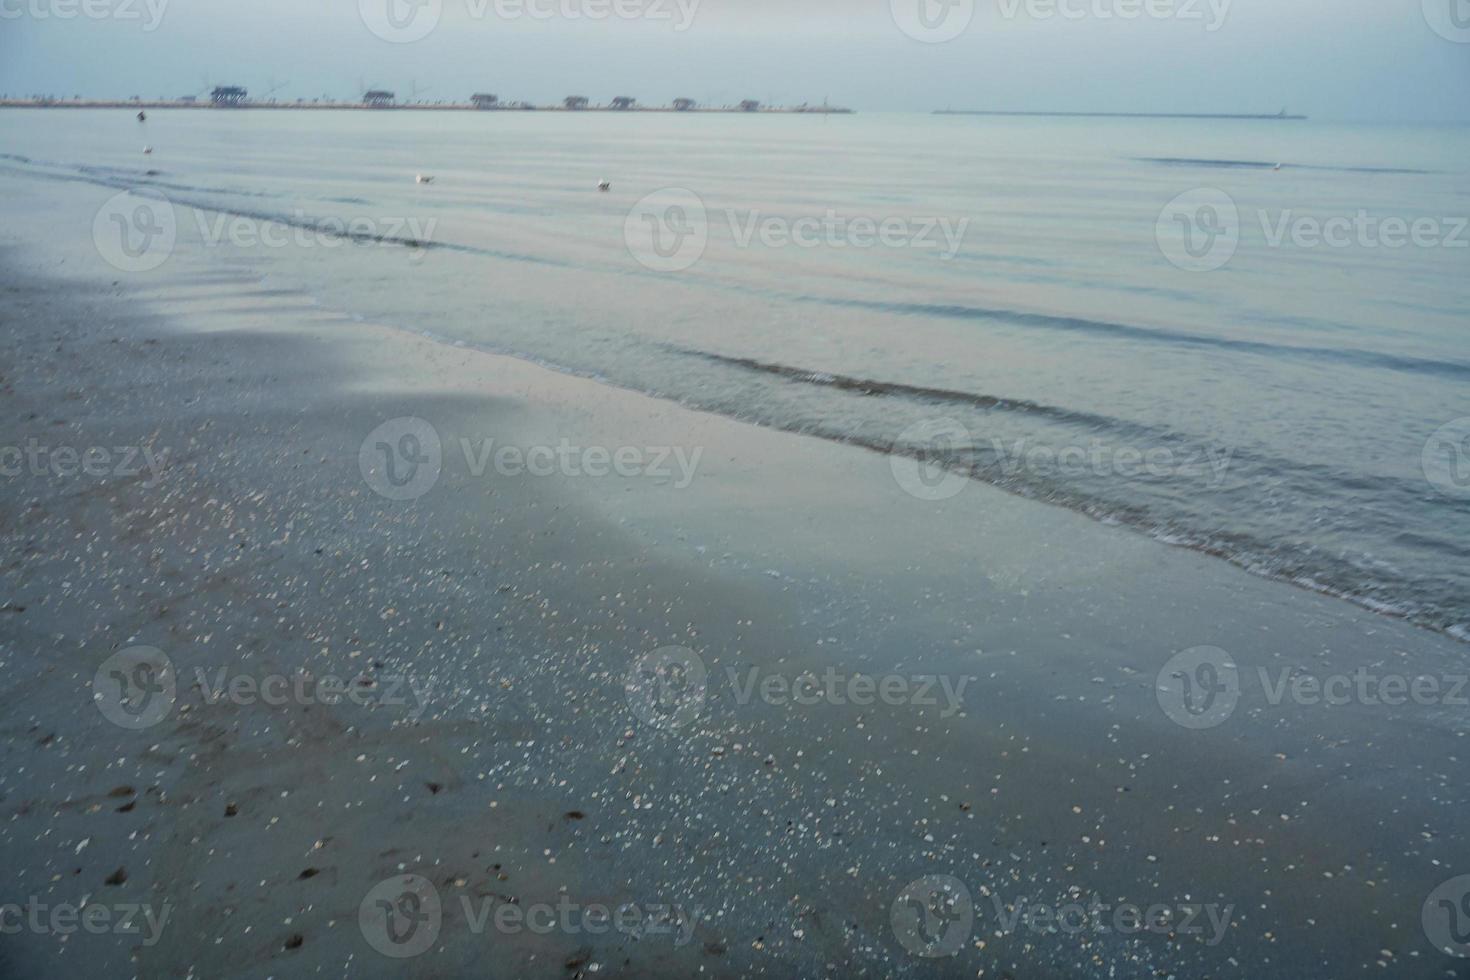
[1332,59]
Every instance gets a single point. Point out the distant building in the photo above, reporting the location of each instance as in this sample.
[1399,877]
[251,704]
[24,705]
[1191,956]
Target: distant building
[624,102]
[378,99]
[188,99]
[684,105]
[750,105]
[575,102]
[481,100]
[229,96]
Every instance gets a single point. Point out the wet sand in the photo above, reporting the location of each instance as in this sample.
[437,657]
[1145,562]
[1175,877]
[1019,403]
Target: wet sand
[509,766]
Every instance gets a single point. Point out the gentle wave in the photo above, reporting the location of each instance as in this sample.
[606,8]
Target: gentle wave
[867,386]
[1158,335]
[1309,475]
[1296,562]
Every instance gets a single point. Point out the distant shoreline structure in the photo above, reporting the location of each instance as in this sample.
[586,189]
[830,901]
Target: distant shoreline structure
[380,106]
[1282,115]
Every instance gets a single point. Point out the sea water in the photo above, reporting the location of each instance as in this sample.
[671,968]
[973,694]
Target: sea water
[1246,337]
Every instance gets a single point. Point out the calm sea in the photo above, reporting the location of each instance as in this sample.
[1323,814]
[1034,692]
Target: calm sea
[1148,321]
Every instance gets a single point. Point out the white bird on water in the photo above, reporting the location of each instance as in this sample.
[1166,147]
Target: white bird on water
[421,179]
[147,151]
[604,185]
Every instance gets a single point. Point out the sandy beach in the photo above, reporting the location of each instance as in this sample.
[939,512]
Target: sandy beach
[620,689]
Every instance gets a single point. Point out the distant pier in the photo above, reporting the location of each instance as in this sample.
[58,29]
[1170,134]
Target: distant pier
[381,103]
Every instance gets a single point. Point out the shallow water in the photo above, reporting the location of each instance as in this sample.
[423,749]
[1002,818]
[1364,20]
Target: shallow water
[1023,323]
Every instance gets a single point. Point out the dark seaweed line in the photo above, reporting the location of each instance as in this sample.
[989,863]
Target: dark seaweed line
[1262,165]
[144,186]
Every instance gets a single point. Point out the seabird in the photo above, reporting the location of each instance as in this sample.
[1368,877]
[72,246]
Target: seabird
[421,179]
[604,185]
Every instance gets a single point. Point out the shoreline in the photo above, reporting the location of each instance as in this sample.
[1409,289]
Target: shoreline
[519,604]
[1161,536]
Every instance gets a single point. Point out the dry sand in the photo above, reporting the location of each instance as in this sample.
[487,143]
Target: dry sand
[516,770]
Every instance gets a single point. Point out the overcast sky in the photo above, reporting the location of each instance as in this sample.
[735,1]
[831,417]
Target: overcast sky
[1406,60]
